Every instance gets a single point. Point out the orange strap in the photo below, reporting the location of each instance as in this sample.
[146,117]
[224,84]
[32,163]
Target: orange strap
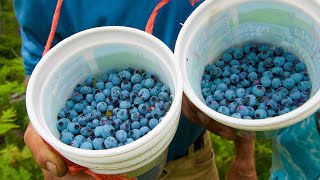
[152,18]
[72,167]
[54,25]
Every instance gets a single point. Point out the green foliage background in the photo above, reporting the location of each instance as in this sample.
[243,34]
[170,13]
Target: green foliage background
[16,160]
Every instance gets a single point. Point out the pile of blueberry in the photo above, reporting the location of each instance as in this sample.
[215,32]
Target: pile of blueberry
[255,82]
[113,109]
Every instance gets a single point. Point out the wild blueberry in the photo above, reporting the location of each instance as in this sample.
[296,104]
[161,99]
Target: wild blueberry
[250,100]
[66,137]
[260,114]
[73,128]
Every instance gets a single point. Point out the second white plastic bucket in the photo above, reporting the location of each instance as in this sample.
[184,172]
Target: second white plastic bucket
[92,52]
[218,24]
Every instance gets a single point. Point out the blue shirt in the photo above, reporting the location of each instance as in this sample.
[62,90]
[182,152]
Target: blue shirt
[296,151]
[35,17]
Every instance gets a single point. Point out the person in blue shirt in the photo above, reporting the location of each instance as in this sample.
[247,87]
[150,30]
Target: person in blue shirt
[190,154]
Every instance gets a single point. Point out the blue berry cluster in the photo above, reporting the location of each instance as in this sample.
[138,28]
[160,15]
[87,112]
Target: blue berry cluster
[113,109]
[255,82]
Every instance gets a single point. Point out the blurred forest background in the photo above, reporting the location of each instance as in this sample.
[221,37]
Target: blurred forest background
[16,160]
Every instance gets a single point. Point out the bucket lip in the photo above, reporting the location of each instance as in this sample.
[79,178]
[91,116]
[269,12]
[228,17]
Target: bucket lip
[63,148]
[307,109]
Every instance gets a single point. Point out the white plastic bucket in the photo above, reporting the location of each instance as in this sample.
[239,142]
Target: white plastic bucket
[93,52]
[218,24]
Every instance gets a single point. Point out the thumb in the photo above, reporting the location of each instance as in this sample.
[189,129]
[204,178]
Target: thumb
[42,153]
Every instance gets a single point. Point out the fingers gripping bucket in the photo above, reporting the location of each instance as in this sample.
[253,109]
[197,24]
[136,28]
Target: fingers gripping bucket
[92,52]
[216,25]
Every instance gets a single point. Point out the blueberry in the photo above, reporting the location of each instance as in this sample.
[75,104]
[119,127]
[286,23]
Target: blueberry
[163,96]
[268,62]
[304,86]
[72,114]
[279,61]
[232,107]
[226,57]
[234,78]
[123,114]
[218,95]
[215,82]
[299,67]
[121,135]
[225,73]
[240,93]
[62,114]
[144,130]
[260,114]
[305,76]
[283,91]
[143,122]
[277,97]
[258,91]
[108,85]
[99,85]
[239,101]
[144,94]
[213,104]
[222,87]
[235,69]
[252,57]
[272,104]
[284,111]
[124,95]
[230,95]
[223,102]
[135,116]
[250,100]
[265,82]
[288,66]
[236,115]
[98,143]
[206,84]
[243,75]
[263,106]
[153,123]
[66,137]
[77,88]
[116,81]
[129,140]
[224,110]
[138,101]
[136,78]
[135,134]
[206,77]
[153,100]
[216,71]
[277,71]
[125,126]
[125,85]
[227,81]
[295,94]
[135,125]
[276,83]
[70,104]
[206,92]
[234,62]
[159,104]
[238,53]
[252,76]
[102,106]
[278,51]
[62,124]
[271,113]
[288,83]
[77,97]
[94,104]
[82,120]
[297,77]
[156,113]
[95,114]
[245,83]
[286,101]
[73,128]
[116,124]
[99,97]
[95,123]
[243,110]
[125,75]
[115,92]
[247,117]
[142,109]
[124,105]
[107,130]
[86,145]
[90,81]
